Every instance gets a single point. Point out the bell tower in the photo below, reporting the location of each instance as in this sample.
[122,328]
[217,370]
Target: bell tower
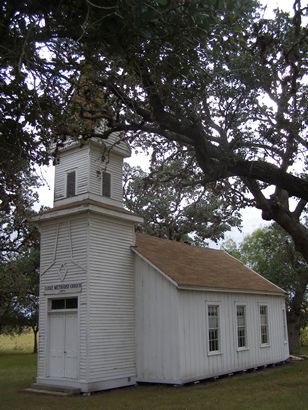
[90,171]
[87,294]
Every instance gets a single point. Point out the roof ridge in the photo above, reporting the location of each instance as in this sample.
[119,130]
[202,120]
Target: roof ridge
[192,246]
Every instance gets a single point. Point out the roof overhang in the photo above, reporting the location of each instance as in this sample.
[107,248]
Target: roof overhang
[114,212]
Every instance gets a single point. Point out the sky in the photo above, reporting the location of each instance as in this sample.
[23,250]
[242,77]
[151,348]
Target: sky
[251,216]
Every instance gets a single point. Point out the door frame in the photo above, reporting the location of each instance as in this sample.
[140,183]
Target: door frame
[47,344]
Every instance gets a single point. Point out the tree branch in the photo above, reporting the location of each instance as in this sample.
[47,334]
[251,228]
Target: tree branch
[299,209]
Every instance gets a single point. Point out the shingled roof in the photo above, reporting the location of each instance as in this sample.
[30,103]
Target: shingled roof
[196,267]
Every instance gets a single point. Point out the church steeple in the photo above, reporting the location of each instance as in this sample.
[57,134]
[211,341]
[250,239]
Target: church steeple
[91,171]
[87,312]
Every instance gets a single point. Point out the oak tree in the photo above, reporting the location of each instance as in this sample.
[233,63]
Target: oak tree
[174,206]
[271,252]
[214,78]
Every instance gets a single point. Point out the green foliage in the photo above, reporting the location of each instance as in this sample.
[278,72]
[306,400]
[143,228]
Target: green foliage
[271,252]
[19,293]
[304,336]
[230,246]
[19,277]
[19,263]
[176,207]
[214,79]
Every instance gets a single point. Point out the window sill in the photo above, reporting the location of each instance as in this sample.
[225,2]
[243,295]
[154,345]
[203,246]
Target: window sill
[242,349]
[62,310]
[265,345]
[216,353]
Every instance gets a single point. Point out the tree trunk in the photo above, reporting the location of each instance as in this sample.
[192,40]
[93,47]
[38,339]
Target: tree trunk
[35,332]
[272,209]
[294,332]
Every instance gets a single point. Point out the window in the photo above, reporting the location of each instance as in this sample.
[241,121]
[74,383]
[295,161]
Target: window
[213,328]
[106,185]
[71,184]
[284,321]
[264,325]
[66,303]
[241,326]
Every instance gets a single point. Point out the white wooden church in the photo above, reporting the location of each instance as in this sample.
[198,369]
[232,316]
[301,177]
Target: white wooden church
[118,308]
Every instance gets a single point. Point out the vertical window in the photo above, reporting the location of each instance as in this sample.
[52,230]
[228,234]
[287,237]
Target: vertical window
[264,325]
[284,321]
[71,184]
[241,326]
[213,328]
[106,187]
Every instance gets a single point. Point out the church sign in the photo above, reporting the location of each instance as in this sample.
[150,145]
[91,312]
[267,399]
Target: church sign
[63,287]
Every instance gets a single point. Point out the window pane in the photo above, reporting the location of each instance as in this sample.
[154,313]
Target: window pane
[241,325]
[264,324]
[67,303]
[106,190]
[213,322]
[71,303]
[57,304]
[263,310]
[71,184]
[213,325]
[285,336]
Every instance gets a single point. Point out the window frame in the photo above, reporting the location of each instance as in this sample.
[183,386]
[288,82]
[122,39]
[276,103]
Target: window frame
[285,325]
[245,347]
[70,171]
[267,343]
[219,350]
[65,309]
[110,184]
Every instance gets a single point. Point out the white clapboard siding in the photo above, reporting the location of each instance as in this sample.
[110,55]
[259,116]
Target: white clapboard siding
[172,333]
[157,328]
[112,163]
[56,238]
[111,315]
[195,360]
[76,158]
[116,142]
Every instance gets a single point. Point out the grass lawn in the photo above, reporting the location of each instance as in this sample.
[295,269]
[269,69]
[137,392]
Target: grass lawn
[282,387]
[22,343]
[304,350]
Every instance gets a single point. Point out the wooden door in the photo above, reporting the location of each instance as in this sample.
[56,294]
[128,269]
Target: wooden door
[63,345]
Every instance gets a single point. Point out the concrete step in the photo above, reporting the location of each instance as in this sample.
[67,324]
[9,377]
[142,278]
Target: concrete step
[52,390]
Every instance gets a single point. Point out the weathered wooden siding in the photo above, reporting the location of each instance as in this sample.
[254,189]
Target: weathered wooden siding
[111,314]
[157,331]
[73,159]
[56,238]
[195,360]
